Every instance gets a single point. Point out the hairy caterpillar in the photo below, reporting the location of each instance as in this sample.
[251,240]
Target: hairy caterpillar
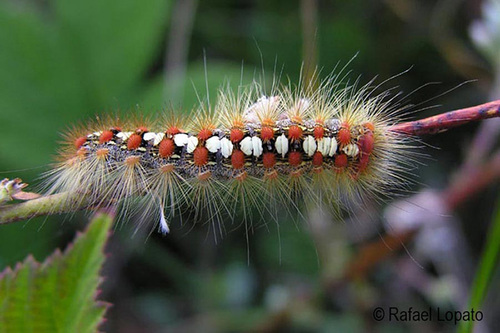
[250,152]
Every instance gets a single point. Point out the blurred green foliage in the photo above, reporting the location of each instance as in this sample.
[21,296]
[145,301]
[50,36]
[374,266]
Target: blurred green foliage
[68,60]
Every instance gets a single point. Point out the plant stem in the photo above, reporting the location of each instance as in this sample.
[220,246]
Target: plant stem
[53,204]
[447,120]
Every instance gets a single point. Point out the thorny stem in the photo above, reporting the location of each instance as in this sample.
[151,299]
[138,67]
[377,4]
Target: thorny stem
[52,204]
[445,121]
[68,202]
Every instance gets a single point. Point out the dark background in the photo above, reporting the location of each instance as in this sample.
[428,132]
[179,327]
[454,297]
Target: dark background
[63,62]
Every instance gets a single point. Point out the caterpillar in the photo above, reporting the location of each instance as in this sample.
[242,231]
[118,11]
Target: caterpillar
[251,152]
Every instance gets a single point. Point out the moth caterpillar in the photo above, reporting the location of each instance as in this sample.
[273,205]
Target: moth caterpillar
[250,152]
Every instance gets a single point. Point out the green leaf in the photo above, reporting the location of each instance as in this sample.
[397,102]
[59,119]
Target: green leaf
[58,295]
[485,270]
[113,42]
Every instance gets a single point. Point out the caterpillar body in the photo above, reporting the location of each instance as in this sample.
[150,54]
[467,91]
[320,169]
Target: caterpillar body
[250,152]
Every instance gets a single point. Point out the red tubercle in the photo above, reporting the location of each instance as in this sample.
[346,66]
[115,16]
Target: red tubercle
[204,175]
[200,156]
[238,122]
[317,170]
[81,152]
[141,130]
[80,141]
[271,175]
[134,141]
[341,161]
[204,134]
[317,159]
[166,147]
[366,143]
[132,160]
[268,160]
[268,122]
[295,158]
[238,159]
[267,133]
[106,136]
[173,130]
[242,176]
[167,168]
[364,159]
[294,132]
[369,126]
[344,135]
[102,153]
[236,135]
[296,119]
[319,132]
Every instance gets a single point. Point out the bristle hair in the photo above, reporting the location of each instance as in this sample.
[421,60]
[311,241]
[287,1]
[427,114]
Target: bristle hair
[251,152]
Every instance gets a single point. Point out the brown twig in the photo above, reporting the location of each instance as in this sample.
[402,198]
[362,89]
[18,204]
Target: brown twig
[445,121]
[463,188]
[457,192]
